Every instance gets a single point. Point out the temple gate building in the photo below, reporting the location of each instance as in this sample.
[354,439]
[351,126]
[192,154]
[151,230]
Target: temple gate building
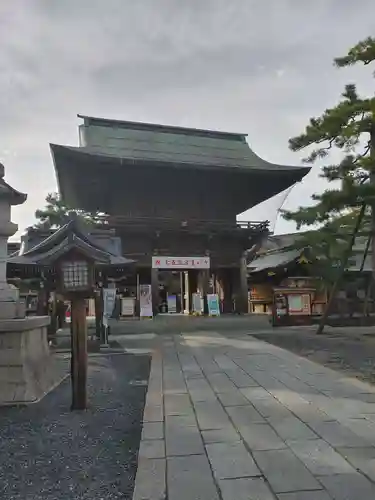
[173,194]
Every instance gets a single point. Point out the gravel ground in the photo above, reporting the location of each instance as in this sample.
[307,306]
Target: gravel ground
[350,353]
[48,452]
[93,346]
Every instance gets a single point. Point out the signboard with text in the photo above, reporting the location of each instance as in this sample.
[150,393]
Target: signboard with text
[109,300]
[213,304]
[145,301]
[180,262]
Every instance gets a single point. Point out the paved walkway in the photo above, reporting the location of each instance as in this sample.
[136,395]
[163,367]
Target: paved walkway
[237,419]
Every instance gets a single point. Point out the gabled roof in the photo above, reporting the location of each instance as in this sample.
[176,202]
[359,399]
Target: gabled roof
[68,237]
[277,251]
[273,260]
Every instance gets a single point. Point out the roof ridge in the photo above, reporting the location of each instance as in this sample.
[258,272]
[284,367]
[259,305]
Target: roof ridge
[178,129]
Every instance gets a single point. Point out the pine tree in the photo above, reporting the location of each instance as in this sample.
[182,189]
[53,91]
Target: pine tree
[350,127]
[56,214]
[348,209]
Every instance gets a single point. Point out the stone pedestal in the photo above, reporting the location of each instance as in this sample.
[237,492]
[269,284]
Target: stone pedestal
[27,370]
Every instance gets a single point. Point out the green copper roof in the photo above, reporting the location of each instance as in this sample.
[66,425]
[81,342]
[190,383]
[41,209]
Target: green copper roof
[160,143]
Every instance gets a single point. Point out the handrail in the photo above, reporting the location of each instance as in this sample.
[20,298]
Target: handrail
[119,220]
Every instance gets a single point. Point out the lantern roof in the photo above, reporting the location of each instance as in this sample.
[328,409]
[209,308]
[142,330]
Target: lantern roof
[13,196]
[71,236]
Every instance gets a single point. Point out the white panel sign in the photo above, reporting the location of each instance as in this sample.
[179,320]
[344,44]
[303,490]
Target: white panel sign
[145,301]
[180,262]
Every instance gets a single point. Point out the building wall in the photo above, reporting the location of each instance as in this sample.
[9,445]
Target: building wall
[158,191]
[224,251]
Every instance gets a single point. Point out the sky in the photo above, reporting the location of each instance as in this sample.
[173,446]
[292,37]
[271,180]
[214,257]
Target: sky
[261,67]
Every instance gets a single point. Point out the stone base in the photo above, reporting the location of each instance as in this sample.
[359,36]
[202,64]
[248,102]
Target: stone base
[27,370]
[12,310]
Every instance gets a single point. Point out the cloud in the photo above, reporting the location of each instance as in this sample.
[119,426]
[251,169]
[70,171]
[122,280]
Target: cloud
[261,67]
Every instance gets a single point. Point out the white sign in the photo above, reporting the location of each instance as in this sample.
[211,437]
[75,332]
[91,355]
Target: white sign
[127,306]
[109,300]
[145,301]
[180,262]
[198,304]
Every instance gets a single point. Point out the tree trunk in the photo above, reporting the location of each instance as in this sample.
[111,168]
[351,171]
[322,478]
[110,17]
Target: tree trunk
[367,299]
[341,271]
[372,181]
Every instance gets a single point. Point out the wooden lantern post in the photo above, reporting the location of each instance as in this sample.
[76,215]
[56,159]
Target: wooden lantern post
[77,282]
[78,353]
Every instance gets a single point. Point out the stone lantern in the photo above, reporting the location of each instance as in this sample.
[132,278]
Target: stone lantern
[10,306]
[27,371]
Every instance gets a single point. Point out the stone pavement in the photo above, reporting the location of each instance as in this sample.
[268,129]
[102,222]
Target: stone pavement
[237,418]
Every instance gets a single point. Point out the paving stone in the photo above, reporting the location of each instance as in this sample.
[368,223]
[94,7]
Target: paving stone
[292,428]
[179,421]
[320,458]
[265,403]
[153,414]
[150,480]
[221,383]
[363,428]
[241,379]
[249,488]
[190,478]
[261,437]
[153,430]
[227,434]
[177,404]
[338,435]
[289,399]
[244,415]
[154,397]
[200,384]
[234,398]
[225,363]
[174,384]
[154,448]
[211,416]
[231,460]
[305,495]
[348,487]
[183,440]
[363,459]
[203,396]
[285,472]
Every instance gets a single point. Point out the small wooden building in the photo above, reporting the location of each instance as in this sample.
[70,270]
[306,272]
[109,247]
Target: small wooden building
[279,270]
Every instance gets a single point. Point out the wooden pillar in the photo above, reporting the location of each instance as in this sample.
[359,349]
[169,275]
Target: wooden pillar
[226,280]
[204,281]
[243,288]
[79,353]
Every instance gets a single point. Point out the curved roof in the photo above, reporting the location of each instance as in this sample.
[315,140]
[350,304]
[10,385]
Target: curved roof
[177,145]
[113,143]
[60,242]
